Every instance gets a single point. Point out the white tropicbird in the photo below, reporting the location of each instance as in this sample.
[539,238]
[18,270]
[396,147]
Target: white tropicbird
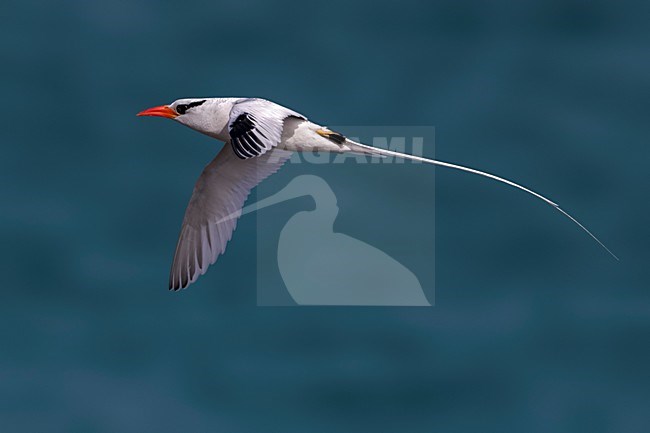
[260,136]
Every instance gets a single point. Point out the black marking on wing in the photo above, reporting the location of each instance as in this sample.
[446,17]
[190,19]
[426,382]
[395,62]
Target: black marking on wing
[242,124]
[336,137]
[244,139]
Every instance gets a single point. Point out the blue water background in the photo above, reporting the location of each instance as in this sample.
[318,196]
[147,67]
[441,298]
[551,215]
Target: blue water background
[535,328]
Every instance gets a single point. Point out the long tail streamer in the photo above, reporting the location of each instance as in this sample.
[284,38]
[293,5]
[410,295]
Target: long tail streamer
[386,152]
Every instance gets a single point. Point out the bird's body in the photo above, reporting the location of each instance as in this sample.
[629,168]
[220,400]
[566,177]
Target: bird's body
[259,137]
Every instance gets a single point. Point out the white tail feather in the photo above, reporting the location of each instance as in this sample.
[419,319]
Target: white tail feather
[384,152]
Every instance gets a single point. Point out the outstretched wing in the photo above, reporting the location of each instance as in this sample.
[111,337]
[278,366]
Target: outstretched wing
[219,192]
[256,126]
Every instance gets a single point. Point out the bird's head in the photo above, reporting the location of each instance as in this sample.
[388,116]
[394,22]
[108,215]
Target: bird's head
[201,114]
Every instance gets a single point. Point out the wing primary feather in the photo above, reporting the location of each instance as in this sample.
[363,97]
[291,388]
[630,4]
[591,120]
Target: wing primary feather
[257,141]
[256,125]
[221,190]
[248,142]
[240,149]
[246,146]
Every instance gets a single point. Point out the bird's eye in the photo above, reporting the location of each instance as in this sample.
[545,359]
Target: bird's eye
[181,108]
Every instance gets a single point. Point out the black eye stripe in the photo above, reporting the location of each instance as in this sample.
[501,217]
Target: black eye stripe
[195,104]
[182,108]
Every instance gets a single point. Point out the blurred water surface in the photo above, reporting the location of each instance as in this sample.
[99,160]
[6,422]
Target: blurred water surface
[535,328]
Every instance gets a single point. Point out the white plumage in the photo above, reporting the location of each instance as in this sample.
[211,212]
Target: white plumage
[220,192]
[260,136]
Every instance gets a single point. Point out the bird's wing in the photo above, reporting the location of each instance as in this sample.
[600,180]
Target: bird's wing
[256,125]
[219,192]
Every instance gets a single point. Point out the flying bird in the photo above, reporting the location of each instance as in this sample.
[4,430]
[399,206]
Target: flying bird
[259,137]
